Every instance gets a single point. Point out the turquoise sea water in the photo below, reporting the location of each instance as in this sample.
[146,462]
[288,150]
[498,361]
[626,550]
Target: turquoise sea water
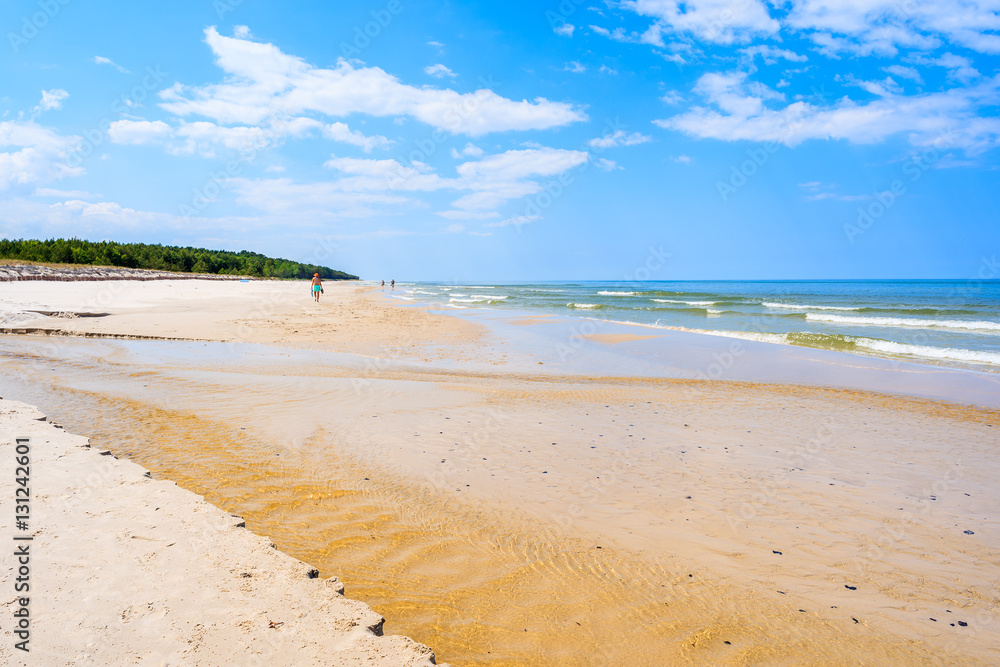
[948,322]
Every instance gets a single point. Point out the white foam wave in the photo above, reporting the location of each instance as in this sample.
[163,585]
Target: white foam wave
[582,305]
[690,303]
[604,293]
[929,352]
[968,325]
[474,299]
[881,347]
[798,306]
[713,311]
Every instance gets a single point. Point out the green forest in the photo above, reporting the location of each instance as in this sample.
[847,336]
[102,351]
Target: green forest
[162,258]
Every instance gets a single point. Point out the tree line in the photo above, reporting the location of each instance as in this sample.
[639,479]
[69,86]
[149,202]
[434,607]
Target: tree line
[162,258]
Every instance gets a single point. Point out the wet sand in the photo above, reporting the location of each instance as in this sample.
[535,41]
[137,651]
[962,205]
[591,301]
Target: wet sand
[117,568]
[508,517]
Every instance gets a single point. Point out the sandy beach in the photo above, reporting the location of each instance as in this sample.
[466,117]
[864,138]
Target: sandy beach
[489,502]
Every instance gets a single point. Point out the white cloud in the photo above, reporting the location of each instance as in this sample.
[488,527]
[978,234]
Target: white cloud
[619,138]
[682,159]
[439,71]
[607,70]
[470,150]
[945,119]
[51,100]
[340,132]
[858,27]
[454,228]
[263,82]
[31,154]
[905,73]
[883,26]
[241,32]
[770,55]
[672,97]
[958,67]
[574,67]
[566,29]
[718,21]
[101,60]
[605,164]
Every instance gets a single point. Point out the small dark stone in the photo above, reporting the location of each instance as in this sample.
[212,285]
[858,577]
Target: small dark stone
[855,620]
[730,643]
[850,588]
[962,623]
[968,532]
[775,552]
[934,619]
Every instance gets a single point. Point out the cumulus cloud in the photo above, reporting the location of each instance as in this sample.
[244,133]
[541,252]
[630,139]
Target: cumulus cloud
[363,186]
[31,154]
[860,27]
[619,138]
[566,29]
[51,100]
[905,73]
[439,71]
[883,26]
[340,132]
[738,110]
[718,21]
[771,55]
[263,82]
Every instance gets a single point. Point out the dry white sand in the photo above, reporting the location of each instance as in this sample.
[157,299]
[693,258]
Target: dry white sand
[125,569]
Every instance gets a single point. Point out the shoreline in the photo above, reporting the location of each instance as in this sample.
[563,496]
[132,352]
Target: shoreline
[167,576]
[463,433]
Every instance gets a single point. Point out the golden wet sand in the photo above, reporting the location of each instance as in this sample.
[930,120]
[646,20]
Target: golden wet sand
[479,583]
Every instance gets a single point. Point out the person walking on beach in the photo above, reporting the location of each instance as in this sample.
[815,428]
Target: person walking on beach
[383,284]
[393,284]
[317,287]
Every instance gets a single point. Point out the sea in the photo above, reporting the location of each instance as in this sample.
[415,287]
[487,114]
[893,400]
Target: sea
[948,322]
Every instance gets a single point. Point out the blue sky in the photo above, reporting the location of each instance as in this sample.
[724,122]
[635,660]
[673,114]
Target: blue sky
[422,140]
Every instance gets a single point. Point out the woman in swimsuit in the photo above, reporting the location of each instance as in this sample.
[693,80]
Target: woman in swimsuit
[317,287]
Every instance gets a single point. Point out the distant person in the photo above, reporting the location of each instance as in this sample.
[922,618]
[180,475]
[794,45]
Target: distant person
[383,284]
[317,287]
[393,284]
